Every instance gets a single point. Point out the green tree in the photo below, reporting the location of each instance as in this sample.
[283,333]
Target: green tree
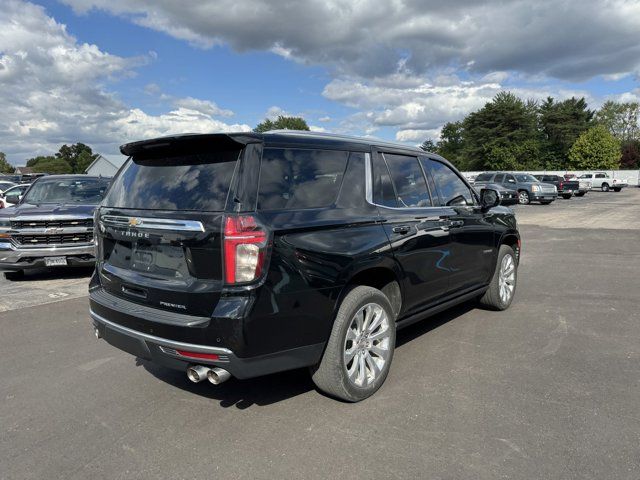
[450,143]
[498,132]
[282,123]
[595,149]
[428,146]
[84,160]
[621,119]
[5,166]
[32,162]
[630,158]
[561,124]
[49,164]
[78,156]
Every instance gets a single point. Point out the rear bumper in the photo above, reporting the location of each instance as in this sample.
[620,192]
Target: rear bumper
[165,352]
[15,258]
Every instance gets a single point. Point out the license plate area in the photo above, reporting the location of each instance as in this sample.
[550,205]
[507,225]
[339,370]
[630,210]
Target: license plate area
[55,261]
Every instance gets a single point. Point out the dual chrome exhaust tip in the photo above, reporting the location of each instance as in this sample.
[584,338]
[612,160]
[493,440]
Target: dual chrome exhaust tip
[198,373]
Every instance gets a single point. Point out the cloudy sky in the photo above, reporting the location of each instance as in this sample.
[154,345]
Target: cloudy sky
[105,72]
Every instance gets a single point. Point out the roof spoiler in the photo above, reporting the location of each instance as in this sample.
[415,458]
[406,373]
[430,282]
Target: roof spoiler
[192,141]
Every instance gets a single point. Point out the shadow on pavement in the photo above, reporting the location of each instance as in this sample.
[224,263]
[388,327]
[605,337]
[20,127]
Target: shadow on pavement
[62,273]
[262,391]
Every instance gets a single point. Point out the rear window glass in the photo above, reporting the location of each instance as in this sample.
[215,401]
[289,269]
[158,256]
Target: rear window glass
[484,177]
[299,178]
[184,182]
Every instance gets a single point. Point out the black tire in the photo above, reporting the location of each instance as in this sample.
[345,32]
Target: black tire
[546,202]
[331,375]
[523,197]
[16,275]
[580,194]
[566,196]
[492,298]
[616,189]
[605,187]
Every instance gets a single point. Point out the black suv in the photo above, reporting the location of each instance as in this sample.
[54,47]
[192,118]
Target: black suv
[246,254]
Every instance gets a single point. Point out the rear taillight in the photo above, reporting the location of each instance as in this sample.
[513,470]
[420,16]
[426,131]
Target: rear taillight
[561,185]
[245,245]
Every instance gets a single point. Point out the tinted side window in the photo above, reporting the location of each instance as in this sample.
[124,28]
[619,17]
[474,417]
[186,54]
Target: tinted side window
[484,177]
[600,175]
[499,178]
[510,179]
[383,193]
[453,191]
[408,179]
[297,178]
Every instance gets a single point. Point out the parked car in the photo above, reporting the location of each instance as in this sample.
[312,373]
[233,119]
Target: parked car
[583,185]
[529,188]
[10,178]
[246,254]
[566,188]
[52,225]
[602,181]
[5,185]
[11,192]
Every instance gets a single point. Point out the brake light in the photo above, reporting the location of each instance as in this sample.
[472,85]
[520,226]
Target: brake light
[245,244]
[561,184]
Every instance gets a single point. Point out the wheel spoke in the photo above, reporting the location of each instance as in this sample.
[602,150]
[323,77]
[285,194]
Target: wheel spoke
[377,320]
[349,354]
[351,334]
[359,318]
[352,371]
[379,351]
[362,371]
[373,366]
[382,333]
[368,314]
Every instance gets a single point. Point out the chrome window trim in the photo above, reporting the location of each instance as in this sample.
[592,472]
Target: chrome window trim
[368,168]
[158,340]
[153,223]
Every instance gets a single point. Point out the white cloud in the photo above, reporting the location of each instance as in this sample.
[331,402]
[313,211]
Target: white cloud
[53,90]
[418,108]
[573,39]
[203,106]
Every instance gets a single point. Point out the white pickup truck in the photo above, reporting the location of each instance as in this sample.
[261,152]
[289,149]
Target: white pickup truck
[603,181]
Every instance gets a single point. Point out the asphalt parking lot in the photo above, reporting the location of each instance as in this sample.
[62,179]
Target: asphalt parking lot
[547,389]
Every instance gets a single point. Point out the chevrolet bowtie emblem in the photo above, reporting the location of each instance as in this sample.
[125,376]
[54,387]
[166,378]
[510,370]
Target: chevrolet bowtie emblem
[133,222]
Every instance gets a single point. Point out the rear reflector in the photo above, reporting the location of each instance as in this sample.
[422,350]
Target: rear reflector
[204,356]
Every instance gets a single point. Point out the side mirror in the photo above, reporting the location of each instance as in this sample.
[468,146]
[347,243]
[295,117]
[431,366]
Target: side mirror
[12,198]
[489,198]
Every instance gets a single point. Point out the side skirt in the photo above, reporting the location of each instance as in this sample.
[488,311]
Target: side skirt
[416,317]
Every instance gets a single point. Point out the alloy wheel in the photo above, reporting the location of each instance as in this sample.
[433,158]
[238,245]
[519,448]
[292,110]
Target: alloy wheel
[507,278]
[367,345]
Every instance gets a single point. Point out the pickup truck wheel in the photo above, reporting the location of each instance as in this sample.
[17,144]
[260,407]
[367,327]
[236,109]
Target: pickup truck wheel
[566,196]
[503,284]
[358,355]
[545,202]
[523,197]
[16,275]
[580,194]
[616,189]
[605,187]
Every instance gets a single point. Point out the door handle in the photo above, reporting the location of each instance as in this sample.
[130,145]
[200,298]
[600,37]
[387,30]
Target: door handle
[401,229]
